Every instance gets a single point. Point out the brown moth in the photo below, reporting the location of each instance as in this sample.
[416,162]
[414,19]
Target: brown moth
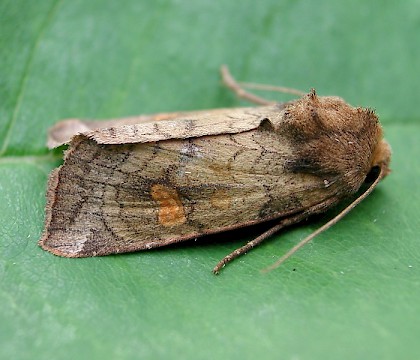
[145,182]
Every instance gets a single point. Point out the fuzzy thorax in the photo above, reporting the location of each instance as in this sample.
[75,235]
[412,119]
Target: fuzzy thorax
[335,141]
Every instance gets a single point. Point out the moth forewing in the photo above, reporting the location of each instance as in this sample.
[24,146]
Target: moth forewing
[128,197]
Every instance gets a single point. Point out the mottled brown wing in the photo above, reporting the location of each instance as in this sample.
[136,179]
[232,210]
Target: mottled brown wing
[162,126]
[119,198]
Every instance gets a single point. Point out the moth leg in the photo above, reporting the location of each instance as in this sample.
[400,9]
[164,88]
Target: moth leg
[251,244]
[238,88]
[330,223]
[318,208]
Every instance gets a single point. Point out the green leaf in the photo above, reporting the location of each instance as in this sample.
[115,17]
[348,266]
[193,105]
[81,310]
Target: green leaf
[352,293]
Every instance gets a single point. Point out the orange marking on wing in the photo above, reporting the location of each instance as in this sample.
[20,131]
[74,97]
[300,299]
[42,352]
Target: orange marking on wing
[171,210]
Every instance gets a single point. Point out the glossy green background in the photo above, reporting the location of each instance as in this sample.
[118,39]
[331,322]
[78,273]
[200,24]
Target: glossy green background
[354,293]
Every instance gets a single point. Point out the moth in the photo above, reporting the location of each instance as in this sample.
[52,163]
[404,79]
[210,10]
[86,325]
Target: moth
[144,182]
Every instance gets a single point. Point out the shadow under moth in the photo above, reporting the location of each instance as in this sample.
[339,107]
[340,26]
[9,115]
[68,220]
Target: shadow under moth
[149,181]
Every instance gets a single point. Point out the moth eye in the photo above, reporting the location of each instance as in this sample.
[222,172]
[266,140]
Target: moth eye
[373,174]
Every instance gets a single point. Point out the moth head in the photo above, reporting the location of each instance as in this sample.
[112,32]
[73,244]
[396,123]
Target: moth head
[381,150]
[380,161]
